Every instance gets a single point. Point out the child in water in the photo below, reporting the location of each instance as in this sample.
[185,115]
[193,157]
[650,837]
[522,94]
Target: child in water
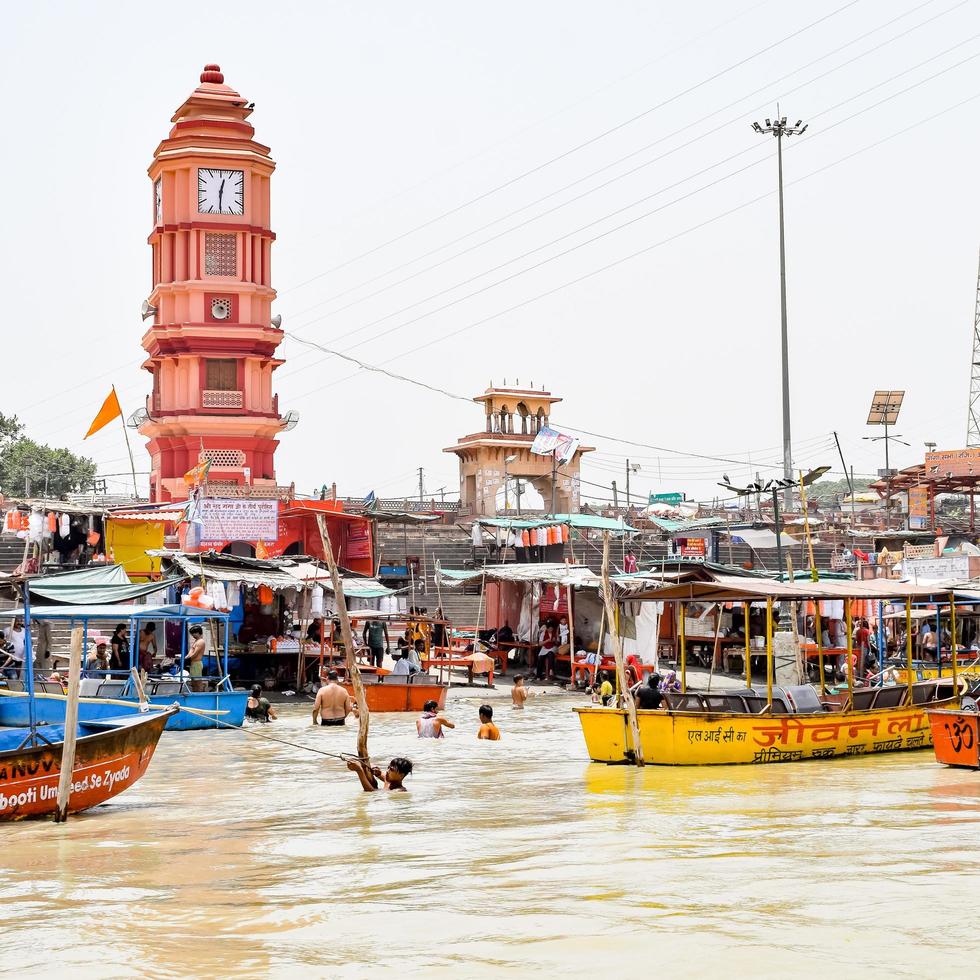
[393,777]
[519,694]
[488,730]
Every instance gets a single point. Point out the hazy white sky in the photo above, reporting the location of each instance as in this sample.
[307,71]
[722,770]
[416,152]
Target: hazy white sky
[383,117]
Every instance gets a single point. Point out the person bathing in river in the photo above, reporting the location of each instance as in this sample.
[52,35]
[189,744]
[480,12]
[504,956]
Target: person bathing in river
[431,724]
[393,777]
[333,704]
[519,694]
[257,707]
[488,730]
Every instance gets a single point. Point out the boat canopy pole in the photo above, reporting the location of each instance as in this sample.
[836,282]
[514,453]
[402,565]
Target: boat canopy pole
[952,644]
[769,654]
[850,654]
[909,678]
[881,642]
[29,666]
[683,639]
[748,645]
[818,632]
[227,634]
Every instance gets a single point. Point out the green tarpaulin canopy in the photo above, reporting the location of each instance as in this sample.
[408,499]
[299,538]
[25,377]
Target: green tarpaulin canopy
[95,585]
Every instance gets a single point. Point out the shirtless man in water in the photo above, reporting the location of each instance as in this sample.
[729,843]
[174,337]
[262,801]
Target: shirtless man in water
[333,704]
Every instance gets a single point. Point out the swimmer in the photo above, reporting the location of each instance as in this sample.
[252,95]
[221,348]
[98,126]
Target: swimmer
[488,730]
[431,724]
[519,694]
[333,704]
[393,777]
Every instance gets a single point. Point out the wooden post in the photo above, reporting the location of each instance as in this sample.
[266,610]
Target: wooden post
[571,633]
[353,671]
[71,726]
[607,602]
[850,653]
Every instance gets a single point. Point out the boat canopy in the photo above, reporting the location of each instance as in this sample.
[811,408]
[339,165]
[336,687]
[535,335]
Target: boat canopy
[732,589]
[585,522]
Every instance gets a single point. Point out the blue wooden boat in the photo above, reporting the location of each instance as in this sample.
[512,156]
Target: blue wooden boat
[224,705]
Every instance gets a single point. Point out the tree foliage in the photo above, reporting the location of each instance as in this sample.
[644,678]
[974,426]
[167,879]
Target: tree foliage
[827,489]
[29,468]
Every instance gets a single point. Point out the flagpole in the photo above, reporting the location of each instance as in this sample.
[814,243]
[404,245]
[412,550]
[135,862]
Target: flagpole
[129,449]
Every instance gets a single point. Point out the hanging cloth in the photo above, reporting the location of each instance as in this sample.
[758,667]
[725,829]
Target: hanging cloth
[64,525]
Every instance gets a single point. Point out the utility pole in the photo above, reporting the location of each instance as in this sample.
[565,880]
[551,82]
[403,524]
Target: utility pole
[421,490]
[779,129]
[627,484]
[554,479]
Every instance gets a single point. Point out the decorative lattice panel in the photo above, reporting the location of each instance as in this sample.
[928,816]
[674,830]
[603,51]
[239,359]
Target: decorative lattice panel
[223,459]
[221,399]
[220,254]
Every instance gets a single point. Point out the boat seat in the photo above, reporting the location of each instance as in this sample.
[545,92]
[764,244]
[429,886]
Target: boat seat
[924,692]
[110,689]
[804,699]
[422,679]
[864,698]
[890,697]
[683,702]
[166,687]
[15,685]
[725,702]
[396,679]
[50,687]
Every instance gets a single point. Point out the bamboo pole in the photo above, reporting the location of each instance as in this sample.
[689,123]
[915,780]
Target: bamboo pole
[71,726]
[714,649]
[618,654]
[353,671]
[850,653]
[571,632]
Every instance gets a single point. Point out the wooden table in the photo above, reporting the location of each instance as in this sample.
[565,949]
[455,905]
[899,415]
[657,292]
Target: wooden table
[452,662]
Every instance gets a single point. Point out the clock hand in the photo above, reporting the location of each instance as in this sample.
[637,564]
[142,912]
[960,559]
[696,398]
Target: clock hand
[221,191]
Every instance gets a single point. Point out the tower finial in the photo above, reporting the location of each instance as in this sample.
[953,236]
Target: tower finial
[212,73]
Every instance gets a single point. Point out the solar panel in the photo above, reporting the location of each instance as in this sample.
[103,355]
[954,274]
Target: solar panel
[885,407]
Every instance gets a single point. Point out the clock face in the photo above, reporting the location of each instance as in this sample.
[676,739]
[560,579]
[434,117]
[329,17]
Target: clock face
[220,191]
[158,200]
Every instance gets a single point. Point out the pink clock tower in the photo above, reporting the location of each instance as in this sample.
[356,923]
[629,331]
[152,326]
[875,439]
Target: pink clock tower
[211,348]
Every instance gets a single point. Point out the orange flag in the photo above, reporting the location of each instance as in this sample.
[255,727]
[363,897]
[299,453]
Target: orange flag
[110,410]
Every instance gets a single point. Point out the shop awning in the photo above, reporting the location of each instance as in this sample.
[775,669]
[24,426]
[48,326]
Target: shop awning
[118,613]
[95,585]
[578,521]
[552,573]
[731,589]
[761,537]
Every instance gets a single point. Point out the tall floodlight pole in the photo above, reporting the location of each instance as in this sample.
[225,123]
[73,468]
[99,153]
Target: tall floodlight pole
[779,129]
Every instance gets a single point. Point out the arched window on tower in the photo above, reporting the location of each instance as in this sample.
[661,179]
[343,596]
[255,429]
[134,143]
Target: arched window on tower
[506,419]
[541,419]
[522,410]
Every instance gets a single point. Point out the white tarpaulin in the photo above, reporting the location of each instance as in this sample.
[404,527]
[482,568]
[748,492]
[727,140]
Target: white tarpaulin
[761,538]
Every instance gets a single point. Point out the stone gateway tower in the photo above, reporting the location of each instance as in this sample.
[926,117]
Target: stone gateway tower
[211,346]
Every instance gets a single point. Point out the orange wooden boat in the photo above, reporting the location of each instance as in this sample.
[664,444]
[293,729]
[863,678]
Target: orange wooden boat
[392,693]
[956,735]
[110,755]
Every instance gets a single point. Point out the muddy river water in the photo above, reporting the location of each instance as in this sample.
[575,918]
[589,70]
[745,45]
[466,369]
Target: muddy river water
[237,856]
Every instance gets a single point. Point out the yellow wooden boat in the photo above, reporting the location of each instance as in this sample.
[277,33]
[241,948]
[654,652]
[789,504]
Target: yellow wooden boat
[704,737]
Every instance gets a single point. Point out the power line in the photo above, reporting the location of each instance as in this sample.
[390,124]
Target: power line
[589,241]
[581,146]
[614,163]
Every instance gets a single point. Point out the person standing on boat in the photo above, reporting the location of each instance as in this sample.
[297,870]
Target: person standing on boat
[194,660]
[119,648]
[431,724]
[333,704]
[15,636]
[147,649]
[376,638]
[98,660]
[648,695]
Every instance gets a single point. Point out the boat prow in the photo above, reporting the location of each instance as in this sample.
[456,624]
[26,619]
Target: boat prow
[956,735]
[111,754]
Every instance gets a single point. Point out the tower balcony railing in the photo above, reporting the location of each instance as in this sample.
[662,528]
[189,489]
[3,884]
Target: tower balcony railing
[211,398]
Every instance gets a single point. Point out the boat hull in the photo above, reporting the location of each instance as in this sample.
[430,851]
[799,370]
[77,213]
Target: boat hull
[689,739]
[385,696]
[107,762]
[956,737]
[50,709]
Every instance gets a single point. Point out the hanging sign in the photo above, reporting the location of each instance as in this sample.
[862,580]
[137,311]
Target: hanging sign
[670,499]
[237,520]
[918,508]
[550,441]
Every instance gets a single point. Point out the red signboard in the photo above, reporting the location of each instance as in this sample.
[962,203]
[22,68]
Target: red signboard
[953,462]
[692,547]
